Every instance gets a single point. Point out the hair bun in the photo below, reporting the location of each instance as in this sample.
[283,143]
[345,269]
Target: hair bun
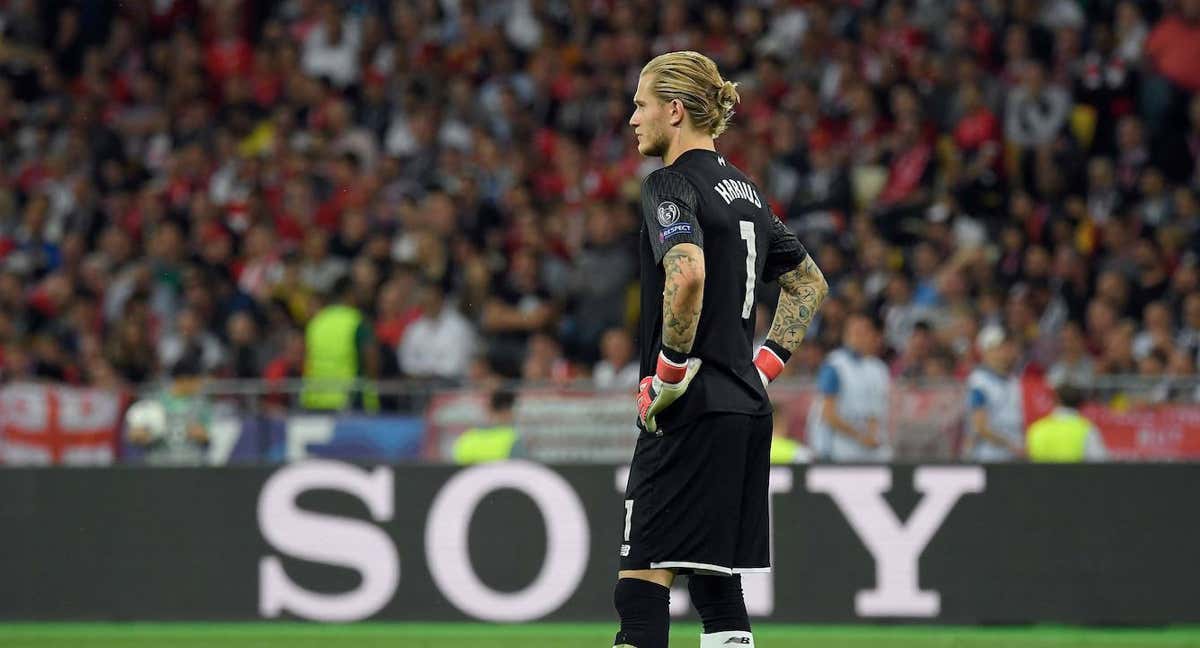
[727,95]
[722,109]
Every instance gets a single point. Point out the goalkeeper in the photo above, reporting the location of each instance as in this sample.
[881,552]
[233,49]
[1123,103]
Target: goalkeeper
[696,502]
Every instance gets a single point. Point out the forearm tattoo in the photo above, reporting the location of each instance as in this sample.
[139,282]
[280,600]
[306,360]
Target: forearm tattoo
[683,296]
[801,292]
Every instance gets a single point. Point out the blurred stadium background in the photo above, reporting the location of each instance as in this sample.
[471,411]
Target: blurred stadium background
[246,242]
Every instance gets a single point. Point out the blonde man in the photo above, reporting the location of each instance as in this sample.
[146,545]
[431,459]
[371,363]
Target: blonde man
[696,502]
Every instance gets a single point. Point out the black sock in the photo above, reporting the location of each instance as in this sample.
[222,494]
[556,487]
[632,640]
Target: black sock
[645,613]
[719,601]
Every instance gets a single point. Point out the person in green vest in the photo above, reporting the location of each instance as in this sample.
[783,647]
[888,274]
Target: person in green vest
[496,441]
[785,449]
[339,347]
[1064,435]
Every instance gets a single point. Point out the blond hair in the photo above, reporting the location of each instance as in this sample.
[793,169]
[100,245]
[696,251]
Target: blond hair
[695,81]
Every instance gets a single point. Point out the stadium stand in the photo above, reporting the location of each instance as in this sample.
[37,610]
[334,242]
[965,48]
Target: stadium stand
[192,176]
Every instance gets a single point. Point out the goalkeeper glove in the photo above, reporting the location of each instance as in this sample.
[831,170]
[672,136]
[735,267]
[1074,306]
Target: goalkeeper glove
[669,382]
[770,360]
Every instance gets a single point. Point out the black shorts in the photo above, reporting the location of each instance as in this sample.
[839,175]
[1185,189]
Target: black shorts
[696,501]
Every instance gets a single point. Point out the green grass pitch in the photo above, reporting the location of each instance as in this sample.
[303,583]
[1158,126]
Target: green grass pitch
[562,635]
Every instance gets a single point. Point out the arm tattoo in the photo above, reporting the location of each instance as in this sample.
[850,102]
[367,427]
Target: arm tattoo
[802,290]
[683,296]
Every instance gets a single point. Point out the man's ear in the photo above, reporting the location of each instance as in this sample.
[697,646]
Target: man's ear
[677,111]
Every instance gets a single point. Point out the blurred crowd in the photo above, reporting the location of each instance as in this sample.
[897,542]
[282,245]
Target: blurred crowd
[191,180]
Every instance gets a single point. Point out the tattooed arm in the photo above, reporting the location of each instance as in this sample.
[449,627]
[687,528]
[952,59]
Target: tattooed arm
[802,290]
[683,296]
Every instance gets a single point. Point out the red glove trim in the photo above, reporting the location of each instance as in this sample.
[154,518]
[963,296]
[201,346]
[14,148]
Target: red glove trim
[768,363]
[668,371]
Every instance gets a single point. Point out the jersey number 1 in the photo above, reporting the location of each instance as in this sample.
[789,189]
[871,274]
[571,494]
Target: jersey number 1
[751,258]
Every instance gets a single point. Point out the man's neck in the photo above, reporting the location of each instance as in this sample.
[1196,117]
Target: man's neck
[686,143]
[998,370]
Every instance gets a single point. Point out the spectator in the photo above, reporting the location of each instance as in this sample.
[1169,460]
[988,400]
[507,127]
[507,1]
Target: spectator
[1172,43]
[848,419]
[519,307]
[1130,31]
[1157,331]
[544,361]
[189,333]
[261,268]
[339,348]
[396,309]
[1188,338]
[1064,435]
[498,440]
[332,45]
[287,365]
[1103,197]
[822,200]
[1155,388]
[995,408]
[978,136]
[1133,154]
[1118,355]
[1153,277]
[318,269]
[910,363]
[603,271]
[906,191]
[1036,110]
[440,343]
[618,366]
[247,354]
[1075,365]
[171,426]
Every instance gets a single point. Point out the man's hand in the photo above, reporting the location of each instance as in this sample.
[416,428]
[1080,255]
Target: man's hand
[196,433]
[1017,449]
[656,393]
[139,435]
[870,438]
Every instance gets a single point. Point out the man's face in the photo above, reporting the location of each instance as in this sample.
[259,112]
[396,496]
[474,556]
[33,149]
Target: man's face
[860,336]
[1072,340]
[1002,356]
[651,119]
[187,385]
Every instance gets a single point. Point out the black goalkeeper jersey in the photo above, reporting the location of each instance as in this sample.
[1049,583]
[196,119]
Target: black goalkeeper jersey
[702,199]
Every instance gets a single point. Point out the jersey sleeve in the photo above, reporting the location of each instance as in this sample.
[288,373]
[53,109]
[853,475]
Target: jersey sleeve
[784,250]
[827,380]
[976,398]
[669,205]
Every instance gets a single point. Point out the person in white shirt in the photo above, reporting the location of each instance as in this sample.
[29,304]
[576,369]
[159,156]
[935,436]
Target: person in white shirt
[618,368]
[1036,110]
[331,48]
[441,343]
[848,418]
[189,333]
[995,408]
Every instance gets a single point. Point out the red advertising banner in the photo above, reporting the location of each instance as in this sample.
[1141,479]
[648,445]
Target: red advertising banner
[1159,432]
[45,425]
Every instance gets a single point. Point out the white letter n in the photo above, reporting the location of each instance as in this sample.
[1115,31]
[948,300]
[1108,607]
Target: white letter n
[896,547]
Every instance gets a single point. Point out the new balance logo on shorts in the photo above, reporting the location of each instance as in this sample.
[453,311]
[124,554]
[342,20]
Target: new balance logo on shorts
[624,550]
[744,641]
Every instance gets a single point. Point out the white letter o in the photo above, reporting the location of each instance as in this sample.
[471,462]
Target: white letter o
[567,541]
